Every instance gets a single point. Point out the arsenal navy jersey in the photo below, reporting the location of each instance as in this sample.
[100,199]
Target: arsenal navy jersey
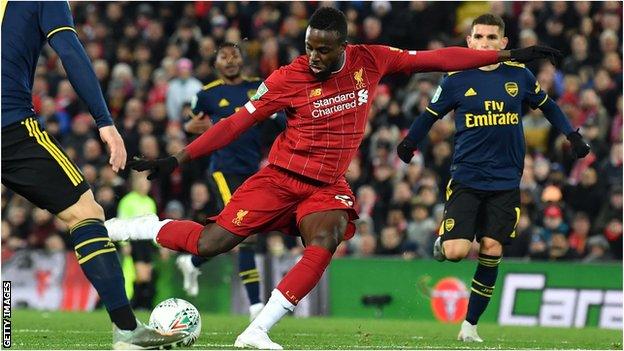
[325,119]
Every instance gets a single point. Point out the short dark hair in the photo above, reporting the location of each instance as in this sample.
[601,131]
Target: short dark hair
[490,19]
[225,44]
[330,19]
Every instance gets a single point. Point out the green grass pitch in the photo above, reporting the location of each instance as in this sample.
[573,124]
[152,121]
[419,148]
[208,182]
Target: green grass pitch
[63,330]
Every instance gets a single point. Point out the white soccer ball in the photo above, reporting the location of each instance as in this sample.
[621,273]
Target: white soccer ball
[175,315]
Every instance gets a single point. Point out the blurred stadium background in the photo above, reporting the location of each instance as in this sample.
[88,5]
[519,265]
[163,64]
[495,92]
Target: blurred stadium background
[565,269]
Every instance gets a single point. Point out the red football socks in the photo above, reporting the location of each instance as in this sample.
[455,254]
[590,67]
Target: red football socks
[180,236]
[304,275]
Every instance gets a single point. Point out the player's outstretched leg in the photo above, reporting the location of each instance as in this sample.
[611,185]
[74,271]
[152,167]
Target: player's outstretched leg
[321,232]
[182,236]
[482,288]
[98,259]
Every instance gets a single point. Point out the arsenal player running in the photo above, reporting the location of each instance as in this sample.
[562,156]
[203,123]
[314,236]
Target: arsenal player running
[326,95]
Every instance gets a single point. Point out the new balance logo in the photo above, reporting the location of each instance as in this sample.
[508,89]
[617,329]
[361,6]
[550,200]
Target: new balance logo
[362,96]
[470,92]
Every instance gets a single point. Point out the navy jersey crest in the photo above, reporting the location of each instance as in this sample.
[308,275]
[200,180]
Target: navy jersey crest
[489,138]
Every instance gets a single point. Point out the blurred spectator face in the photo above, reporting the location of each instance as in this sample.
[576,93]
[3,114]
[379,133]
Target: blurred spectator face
[428,196]
[41,217]
[65,90]
[558,245]
[92,150]
[105,195]
[608,41]
[229,62]
[542,169]
[616,199]
[527,38]
[371,28]
[199,195]
[90,173]
[553,217]
[396,218]
[589,177]
[602,80]
[442,151]
[579,45]
[383,172]
[402,192]
[420,213]
[114,11]
[616,154]
[17,216]
[581,225]
[611,21]
[140,184]
[367,246]
[158,112]
[174,146]
[571,83]
[233,35]
[206,47]
[554,27]
[148,146]
[145,127]
[366,195]
[101,69]
[613,63]
[587,26]
[185,68]
[134,109]
[524,222]
[582,8]
[527,20]
[48,107]
[390,237]
[155,31]
[54,243]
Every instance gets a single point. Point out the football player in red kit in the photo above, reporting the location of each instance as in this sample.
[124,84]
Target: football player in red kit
[326,95]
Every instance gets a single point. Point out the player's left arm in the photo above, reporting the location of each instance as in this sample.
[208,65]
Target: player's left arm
[441,103]
[537,98]
[452,58]
[56,23]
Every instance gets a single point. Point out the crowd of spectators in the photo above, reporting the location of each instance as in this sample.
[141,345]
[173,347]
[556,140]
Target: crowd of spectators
[151,58]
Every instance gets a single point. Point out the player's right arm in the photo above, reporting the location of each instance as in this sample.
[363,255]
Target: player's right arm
[441,103]
[56,23]
[271,96]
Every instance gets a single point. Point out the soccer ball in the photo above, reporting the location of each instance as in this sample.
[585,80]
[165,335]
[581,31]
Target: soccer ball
[175,315]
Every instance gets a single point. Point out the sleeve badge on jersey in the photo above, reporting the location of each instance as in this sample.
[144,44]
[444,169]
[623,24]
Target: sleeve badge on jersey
[436,95]
[262,89]
[511,88]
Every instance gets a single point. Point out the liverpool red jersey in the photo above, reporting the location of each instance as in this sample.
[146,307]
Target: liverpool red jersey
[326,119]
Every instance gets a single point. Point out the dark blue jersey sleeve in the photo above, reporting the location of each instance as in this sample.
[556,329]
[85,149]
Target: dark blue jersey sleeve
[55,17]
[443,100]
[81,74]
[441,103]
[534,95]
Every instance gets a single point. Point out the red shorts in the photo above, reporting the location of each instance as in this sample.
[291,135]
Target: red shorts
[275,199]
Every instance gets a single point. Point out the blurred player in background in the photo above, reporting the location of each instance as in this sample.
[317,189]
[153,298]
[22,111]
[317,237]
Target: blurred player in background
[35,166]
[326,95]
[483,195]
[231,165]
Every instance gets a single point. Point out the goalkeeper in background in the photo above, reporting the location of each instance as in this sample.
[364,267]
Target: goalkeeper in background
[483,196]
